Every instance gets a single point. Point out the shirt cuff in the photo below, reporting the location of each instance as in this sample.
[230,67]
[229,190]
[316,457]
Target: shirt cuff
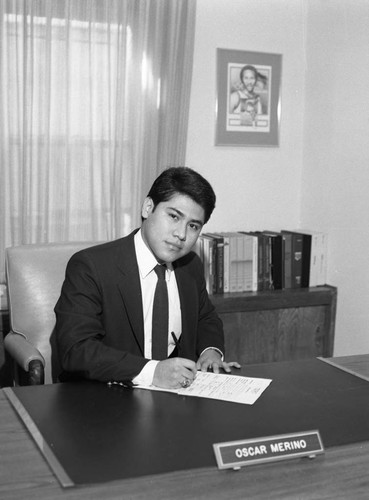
[214,349]
[146,375]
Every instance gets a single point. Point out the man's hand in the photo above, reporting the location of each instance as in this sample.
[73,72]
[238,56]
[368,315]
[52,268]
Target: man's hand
[174,373]
[212,360]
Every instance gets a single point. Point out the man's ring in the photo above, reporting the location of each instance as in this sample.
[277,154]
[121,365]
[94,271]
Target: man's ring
[185,383]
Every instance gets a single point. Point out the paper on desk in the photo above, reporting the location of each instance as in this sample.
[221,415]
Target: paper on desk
[233,388]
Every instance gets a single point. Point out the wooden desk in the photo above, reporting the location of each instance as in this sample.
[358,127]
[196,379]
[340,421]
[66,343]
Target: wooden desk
[341,473]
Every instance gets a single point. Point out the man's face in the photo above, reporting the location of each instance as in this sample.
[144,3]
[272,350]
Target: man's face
[249,80]
[171,230]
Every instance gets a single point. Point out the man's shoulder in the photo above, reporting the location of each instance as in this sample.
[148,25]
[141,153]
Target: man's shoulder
[108,248]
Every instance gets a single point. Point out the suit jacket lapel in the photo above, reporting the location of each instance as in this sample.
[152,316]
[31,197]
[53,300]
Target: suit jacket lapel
[187,294]
[130,288]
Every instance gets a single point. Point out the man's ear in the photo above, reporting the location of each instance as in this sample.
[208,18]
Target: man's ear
[147,207]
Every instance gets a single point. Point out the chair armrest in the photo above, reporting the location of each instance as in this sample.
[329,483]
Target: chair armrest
[22,351]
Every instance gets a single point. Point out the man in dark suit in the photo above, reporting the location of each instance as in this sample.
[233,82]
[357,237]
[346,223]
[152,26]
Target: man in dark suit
[104,314]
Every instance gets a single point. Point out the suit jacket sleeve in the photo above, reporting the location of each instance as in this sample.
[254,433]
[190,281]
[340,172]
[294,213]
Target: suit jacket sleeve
[99,334]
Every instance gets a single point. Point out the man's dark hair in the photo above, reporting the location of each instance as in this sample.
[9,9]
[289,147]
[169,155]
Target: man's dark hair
[258,76]
[248,67]
[183,180]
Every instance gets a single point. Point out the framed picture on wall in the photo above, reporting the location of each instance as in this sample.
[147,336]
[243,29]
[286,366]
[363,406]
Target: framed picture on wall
[248,101]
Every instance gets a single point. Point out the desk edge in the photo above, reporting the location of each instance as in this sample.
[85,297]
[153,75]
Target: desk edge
[45,449]
[343,368]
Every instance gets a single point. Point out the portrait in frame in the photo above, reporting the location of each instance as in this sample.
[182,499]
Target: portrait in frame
[248,100]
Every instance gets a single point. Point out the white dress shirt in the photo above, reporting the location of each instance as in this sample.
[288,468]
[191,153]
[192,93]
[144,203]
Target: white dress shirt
[148,279]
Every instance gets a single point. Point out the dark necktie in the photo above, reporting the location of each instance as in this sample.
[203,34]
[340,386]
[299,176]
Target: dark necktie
[160,315]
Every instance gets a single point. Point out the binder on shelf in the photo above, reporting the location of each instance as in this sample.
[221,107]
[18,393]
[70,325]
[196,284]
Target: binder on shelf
[301,250]
[219,261]
[322,271]
[318,257]
[263,262]
[208,262]
[296,260]
[225,237]
[254,281]
[277,259]
[287,238]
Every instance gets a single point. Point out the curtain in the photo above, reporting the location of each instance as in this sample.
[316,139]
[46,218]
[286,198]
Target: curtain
[94,98]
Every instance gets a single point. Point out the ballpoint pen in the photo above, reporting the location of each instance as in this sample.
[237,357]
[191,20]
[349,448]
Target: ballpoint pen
[176,341]
[127,384]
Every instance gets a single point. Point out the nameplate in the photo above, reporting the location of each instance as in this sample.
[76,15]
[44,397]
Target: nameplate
[236,454]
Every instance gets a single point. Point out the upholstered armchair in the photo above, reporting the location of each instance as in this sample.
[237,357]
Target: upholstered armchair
[35,274]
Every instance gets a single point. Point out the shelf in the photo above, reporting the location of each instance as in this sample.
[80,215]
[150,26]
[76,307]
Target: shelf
[276,299]
[278,325]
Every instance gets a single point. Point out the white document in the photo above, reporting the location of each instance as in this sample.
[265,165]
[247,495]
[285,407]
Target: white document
[233,388]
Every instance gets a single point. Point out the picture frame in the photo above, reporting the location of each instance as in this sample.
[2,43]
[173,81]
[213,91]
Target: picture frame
[248,111]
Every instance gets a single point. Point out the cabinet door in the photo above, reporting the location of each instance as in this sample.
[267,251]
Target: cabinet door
[275,335]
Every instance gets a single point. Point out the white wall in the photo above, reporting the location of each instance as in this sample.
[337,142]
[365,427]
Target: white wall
[319,174]
[256,187]
[336,156]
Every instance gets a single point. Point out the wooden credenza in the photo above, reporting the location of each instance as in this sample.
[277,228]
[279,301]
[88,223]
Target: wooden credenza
[278,325]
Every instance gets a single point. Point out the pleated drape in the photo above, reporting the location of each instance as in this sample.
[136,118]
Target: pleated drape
[94,98]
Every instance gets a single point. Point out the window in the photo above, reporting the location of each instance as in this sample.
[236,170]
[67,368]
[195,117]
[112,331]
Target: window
[93,105]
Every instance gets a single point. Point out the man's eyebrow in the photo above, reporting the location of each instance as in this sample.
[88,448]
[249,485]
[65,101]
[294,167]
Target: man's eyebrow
[181,214]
